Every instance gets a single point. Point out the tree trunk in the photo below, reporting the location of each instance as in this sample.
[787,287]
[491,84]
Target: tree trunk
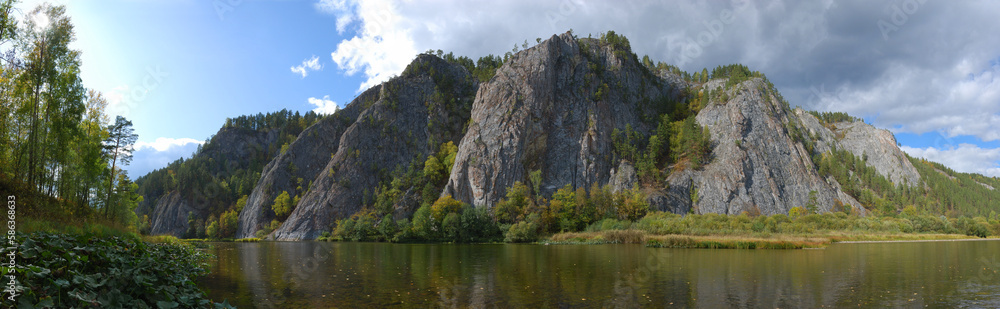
[111,180]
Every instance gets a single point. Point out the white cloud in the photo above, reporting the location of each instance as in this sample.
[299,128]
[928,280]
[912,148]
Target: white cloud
[382,46]
[341,8]
[149,156]
[934,73]
[311,64]
[117,104]
[917,100]
[967,158]
[324,106]
[164,143]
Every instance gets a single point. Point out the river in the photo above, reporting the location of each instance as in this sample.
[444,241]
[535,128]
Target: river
[351,275]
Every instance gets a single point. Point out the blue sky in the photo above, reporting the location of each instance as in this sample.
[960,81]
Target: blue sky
[178,69]
[927,71]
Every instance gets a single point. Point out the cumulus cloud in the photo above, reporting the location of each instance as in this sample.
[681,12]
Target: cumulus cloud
[342,8]
[149,156]
[967,158]
[165,143]
[828,55]
[324,106]
[907,65]
[311,64]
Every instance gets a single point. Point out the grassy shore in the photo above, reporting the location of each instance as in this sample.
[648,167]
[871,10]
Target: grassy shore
[772,241]
[776,232]
[67,256]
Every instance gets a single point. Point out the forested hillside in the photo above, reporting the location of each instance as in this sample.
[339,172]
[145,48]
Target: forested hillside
[212,185]
[61,152]
[553,137]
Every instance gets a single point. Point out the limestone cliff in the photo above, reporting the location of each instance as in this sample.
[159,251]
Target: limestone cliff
[756,166]
[553,109]
[230,150]
[294,169]
[403,119]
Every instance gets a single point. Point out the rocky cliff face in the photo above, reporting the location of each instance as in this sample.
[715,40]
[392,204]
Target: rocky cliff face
[403,119]
[304,159]
[233,149]
[879,149]
[552,109]
[756,166]
[170,215]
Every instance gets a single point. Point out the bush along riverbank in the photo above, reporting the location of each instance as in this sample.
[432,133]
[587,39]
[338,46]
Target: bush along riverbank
[83,271]
[450,221]
[666,230]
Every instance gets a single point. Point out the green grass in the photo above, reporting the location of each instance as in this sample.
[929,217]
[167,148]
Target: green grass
[732,242]
[669,230]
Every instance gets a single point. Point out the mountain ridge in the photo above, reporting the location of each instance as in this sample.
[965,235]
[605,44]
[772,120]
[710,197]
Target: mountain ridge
[582,113]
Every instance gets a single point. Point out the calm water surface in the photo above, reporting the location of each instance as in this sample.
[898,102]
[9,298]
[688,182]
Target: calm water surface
[350,275]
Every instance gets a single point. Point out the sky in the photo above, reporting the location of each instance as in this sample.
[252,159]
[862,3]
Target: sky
[925,70]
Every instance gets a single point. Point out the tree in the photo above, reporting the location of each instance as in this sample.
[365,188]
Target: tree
[90,149]
[444,206]
[228,223]
[125,202]
[510,209]
[212,230]
[564,205]
[119,145]
[282,206]
[51,94]
[240,203]
[796,212]
[812,206]
[387,228]
[7,24]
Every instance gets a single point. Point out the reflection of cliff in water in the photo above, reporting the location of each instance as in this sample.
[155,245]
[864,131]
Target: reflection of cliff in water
[317,274]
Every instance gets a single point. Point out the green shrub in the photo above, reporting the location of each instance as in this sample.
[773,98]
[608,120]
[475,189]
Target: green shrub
[661,223]
[608,224]
[477,226]
[387,228]
[622,236]
[344,229]
[524,231]
[977,229]
[66,271]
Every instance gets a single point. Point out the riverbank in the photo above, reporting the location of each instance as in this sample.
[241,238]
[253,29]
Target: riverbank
[63,261]
[776,231]
[61,270]
[772,241]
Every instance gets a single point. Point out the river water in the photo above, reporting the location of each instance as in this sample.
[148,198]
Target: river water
[351,275]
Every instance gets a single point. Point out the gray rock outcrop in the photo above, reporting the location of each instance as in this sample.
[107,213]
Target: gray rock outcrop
[304,159]
[756,166]
[549,110]
[171,215]
[230,147]
[405,118]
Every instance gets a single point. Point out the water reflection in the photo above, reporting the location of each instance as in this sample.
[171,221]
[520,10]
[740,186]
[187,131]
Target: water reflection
[319,274]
